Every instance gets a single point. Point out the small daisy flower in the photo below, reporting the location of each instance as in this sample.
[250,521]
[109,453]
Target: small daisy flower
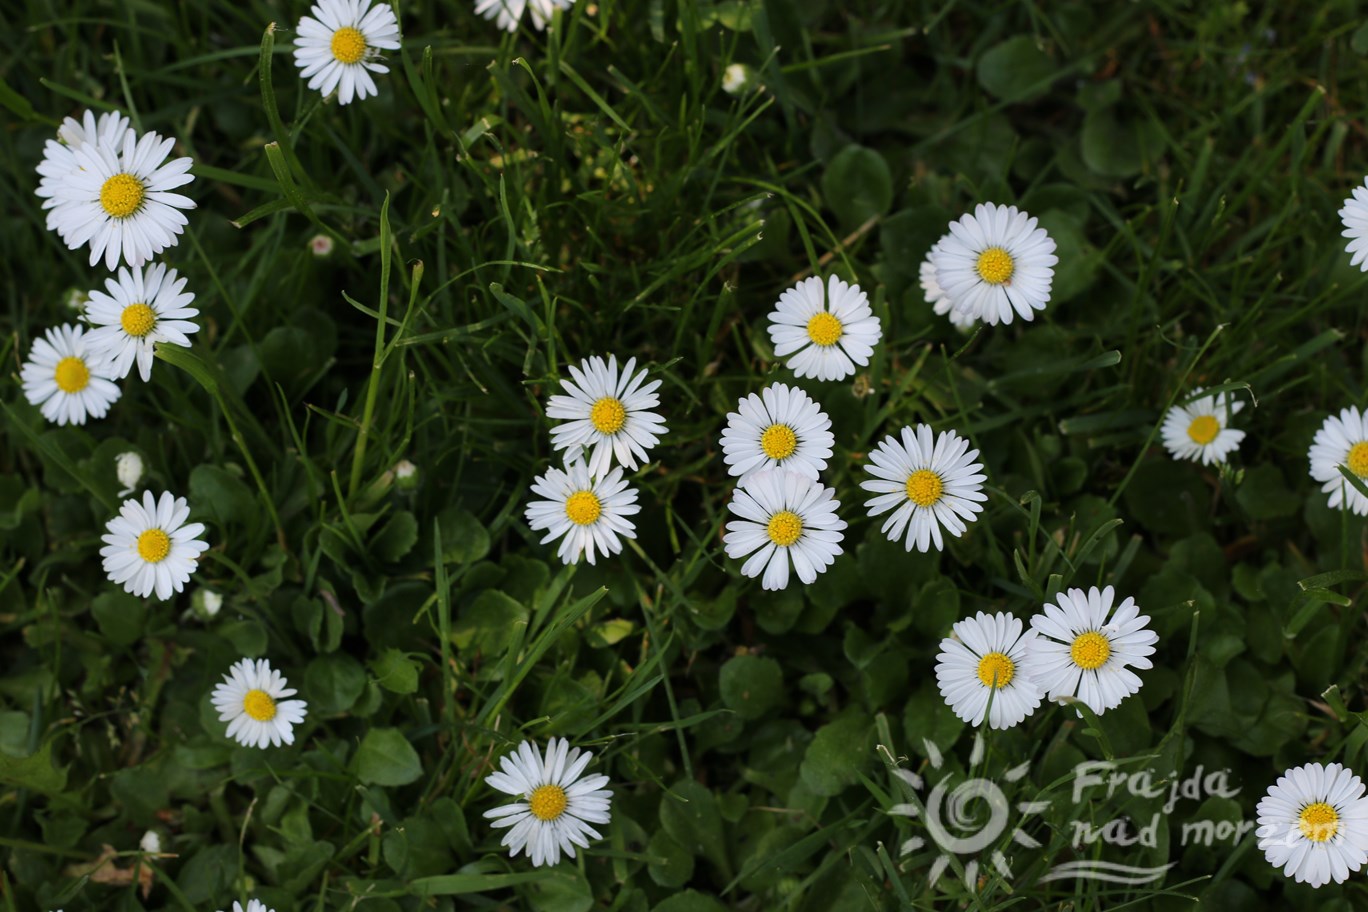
[1354,215]
[59,156]
[138,309]
[508,12]
[984,659]
[996,261]
[781,428]
[1314,824]
[785,517]
[827,334]
[586,512]
[555,806]
[339,47]
[128,468]
[935,295]
[149,546]
[1079,652]
[1342,441]
[607,413]
[253,905]
[65,380]
[249,700]
[929,482]
[119,200]
[1201,430]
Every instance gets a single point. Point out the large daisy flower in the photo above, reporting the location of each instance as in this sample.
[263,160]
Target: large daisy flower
[250,700]
[586,512]
[1201,430]
[1085,650]
[780,428]
[1342,441]
[982,663]
[1314,824]
[785,517]
[1354,215]
[341,42]
[828,333]
[59,156]
[555,807]
[935,295]
[994,262]
[929,482]
[508,12]
[64,379]
[119,200]
[149,547]
[607,412]
[141,307]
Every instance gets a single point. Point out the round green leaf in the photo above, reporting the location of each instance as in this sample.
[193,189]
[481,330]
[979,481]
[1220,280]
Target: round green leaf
[385,757]
[751,685]
[1016,70]
[857,185]
[333,682]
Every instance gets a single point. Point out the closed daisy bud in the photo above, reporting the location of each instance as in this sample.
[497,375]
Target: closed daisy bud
[150,842]
[405,475]
[321,246]
[128,468]
[735,78]
[206,603]
[250,701]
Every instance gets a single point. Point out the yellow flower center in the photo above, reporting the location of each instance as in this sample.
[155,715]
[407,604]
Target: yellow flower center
[348,45]
[584,508]
[995,266]
[259,705]
[1358,459]
[785,528]
[996,670]
[778,441]
[1090,650]
[71,375]
[122,195]
[138,320]
[154,545]
[608,415]
[548,802]
[924,487]
[1204,429]
[824,329]
[1319,822]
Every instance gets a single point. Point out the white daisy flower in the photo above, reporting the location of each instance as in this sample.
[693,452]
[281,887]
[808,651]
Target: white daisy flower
[149,546]
[586,512]
[1342,441]
[250,700]
[986,658]
[128,468]
[928,481]
[555,807]
[65,380]
[339,46]
[935,295]
[1079,652]
[785,517]
[119,200]
[253,905]
[59,156]
[1354,215]
[995,261]
[508,12]
[828,333]
[138,309]
[608,413]
[1201,430]
[1314,824]
[780,428]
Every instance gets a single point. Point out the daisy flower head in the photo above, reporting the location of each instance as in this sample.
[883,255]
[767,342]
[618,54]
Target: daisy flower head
[339,46]
[253,905]
[250,700]
[1084,649]
[59,156]
[994,262]
[935,295]
[119,199]
[556,805]
[1342,441]
[149,547]
[1354,215]
[1314,824]
[929,481]
[507,13]
[828,328]
[780,428]
[65,379]
[1201,430]
[786,517]
[137,309]
[587,512]
[608,413]
[984,659]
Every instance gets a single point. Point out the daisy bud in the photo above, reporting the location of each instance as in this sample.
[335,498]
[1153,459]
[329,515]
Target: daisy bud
[406,475]
[75,299]
[736,78]
[150,843]
[206,603]
[129,469]
[320,245]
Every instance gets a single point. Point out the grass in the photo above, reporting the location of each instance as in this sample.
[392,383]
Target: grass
[510,204]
